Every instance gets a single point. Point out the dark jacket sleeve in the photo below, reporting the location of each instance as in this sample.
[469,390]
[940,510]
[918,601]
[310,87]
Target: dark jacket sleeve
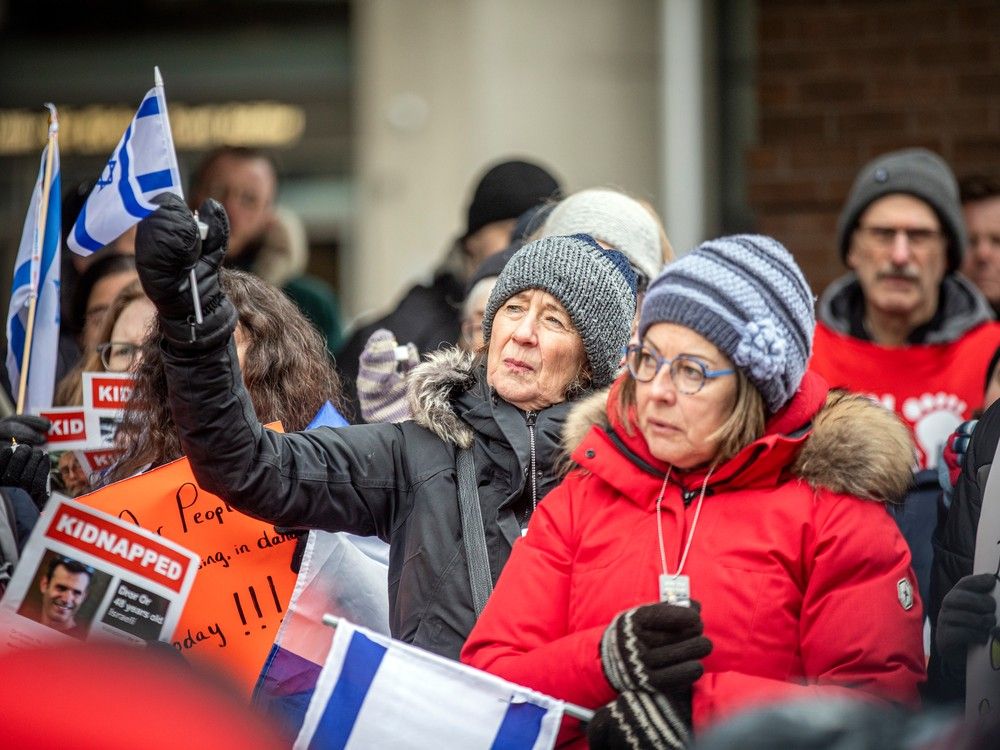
[351,479]
[955,548]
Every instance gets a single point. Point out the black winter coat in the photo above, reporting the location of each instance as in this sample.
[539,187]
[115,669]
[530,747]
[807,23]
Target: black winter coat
[394,481]
[955,547]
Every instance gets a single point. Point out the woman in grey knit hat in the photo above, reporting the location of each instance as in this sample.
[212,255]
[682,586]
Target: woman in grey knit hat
[724,540]
[450,490]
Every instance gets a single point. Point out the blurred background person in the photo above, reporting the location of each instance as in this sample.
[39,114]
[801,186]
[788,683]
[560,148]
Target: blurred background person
[980,196]
[616,220]
[115,342]
[123,327]
[265,239]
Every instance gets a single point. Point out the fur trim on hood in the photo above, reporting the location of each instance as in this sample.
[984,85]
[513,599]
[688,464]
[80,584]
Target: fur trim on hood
[429,389]
[856,446]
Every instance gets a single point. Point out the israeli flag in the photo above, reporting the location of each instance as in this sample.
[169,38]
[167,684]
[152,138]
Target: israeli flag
[377,692]
[36,272]
[142,166]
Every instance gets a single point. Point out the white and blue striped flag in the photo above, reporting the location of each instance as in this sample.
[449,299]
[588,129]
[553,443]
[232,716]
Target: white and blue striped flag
[378,692]
[142,166]
[36,271]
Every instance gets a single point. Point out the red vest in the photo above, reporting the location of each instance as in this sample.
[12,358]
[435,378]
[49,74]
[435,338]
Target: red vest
[933,387]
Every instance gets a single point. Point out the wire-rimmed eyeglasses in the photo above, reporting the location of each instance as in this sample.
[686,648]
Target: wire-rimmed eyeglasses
[687,373]
[117,356]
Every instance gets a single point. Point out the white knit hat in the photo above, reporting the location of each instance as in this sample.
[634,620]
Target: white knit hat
[615,219]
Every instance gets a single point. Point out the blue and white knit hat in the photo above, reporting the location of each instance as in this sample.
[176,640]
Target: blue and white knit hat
[596,286]
[747,296]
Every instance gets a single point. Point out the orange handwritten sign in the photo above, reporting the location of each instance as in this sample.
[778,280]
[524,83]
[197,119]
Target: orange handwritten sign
[244,581]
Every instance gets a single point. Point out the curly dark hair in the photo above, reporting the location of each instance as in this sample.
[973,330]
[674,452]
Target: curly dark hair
[286,368]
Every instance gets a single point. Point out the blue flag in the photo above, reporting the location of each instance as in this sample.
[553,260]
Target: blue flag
[36,272]
[142,166]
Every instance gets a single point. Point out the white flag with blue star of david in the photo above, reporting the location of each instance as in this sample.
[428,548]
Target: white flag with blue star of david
[142,166]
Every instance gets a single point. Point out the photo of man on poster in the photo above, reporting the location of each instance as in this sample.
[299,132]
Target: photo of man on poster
[64,588]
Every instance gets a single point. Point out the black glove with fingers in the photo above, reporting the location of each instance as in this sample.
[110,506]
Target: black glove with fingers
[655,648]
[167,246]
[967,616]
[636,719]
[28,468]
[25,429]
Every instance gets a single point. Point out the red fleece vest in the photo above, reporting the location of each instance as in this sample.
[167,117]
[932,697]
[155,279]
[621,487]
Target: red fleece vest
[933,387]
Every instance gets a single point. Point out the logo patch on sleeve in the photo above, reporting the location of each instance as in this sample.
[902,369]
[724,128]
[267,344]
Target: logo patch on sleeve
[904,590]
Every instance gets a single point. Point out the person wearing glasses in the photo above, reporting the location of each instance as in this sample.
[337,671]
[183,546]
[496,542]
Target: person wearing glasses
[64,589]
[723,538]
[904,326]
[128,317]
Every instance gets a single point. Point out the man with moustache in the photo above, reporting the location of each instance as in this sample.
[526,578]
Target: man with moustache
[64,589]
[903,326]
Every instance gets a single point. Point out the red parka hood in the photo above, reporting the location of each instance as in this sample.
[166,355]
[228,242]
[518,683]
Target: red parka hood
[843,442]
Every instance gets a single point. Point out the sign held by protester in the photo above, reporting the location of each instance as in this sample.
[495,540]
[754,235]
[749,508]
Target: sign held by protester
[244,578]
[69,427]
[87,575]
[104,397]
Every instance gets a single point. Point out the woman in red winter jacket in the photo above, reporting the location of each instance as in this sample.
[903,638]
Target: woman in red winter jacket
[723,540]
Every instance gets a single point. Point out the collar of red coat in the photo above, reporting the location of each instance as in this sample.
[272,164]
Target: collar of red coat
[610,452]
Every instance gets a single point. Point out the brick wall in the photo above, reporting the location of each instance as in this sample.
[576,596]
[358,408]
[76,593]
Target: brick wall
[841,81]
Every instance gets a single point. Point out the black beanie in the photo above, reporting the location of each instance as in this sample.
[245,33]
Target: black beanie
[914,171]
[506,191]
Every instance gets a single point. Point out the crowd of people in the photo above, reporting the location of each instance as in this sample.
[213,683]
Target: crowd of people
[669,490]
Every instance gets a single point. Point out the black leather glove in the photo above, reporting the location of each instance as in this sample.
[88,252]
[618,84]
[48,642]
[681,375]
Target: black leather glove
[28,468]
[167,247]
[25,428]
[967,616]
[655,647]
[637,720]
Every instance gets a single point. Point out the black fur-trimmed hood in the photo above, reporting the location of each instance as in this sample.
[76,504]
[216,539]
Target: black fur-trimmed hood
[430,389]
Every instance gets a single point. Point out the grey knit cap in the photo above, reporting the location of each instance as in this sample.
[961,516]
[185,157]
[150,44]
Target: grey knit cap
[596,286]
[747,296]
[614,219]
[914,171]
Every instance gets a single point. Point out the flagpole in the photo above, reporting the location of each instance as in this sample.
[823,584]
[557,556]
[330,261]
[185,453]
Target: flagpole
[36,256]
[570,709]
[202,227]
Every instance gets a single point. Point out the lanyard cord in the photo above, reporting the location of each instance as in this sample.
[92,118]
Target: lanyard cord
[694,523]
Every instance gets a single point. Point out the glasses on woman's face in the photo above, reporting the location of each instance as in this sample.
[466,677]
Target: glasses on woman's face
[117,356]
[687,373]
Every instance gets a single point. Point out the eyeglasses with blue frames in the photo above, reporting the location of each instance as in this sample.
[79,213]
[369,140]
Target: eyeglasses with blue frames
[687,373]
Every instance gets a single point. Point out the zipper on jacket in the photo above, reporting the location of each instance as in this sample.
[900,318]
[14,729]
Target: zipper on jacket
[529,419]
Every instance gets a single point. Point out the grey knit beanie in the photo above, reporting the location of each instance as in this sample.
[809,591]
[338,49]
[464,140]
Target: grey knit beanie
[917,172]
[596,286]
[747,296]
[614,219]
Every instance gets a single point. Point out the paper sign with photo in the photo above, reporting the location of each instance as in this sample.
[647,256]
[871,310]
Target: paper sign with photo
[87,575]
[104,397]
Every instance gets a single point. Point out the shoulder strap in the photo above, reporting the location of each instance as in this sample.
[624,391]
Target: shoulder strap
[473,534]
[8,540]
